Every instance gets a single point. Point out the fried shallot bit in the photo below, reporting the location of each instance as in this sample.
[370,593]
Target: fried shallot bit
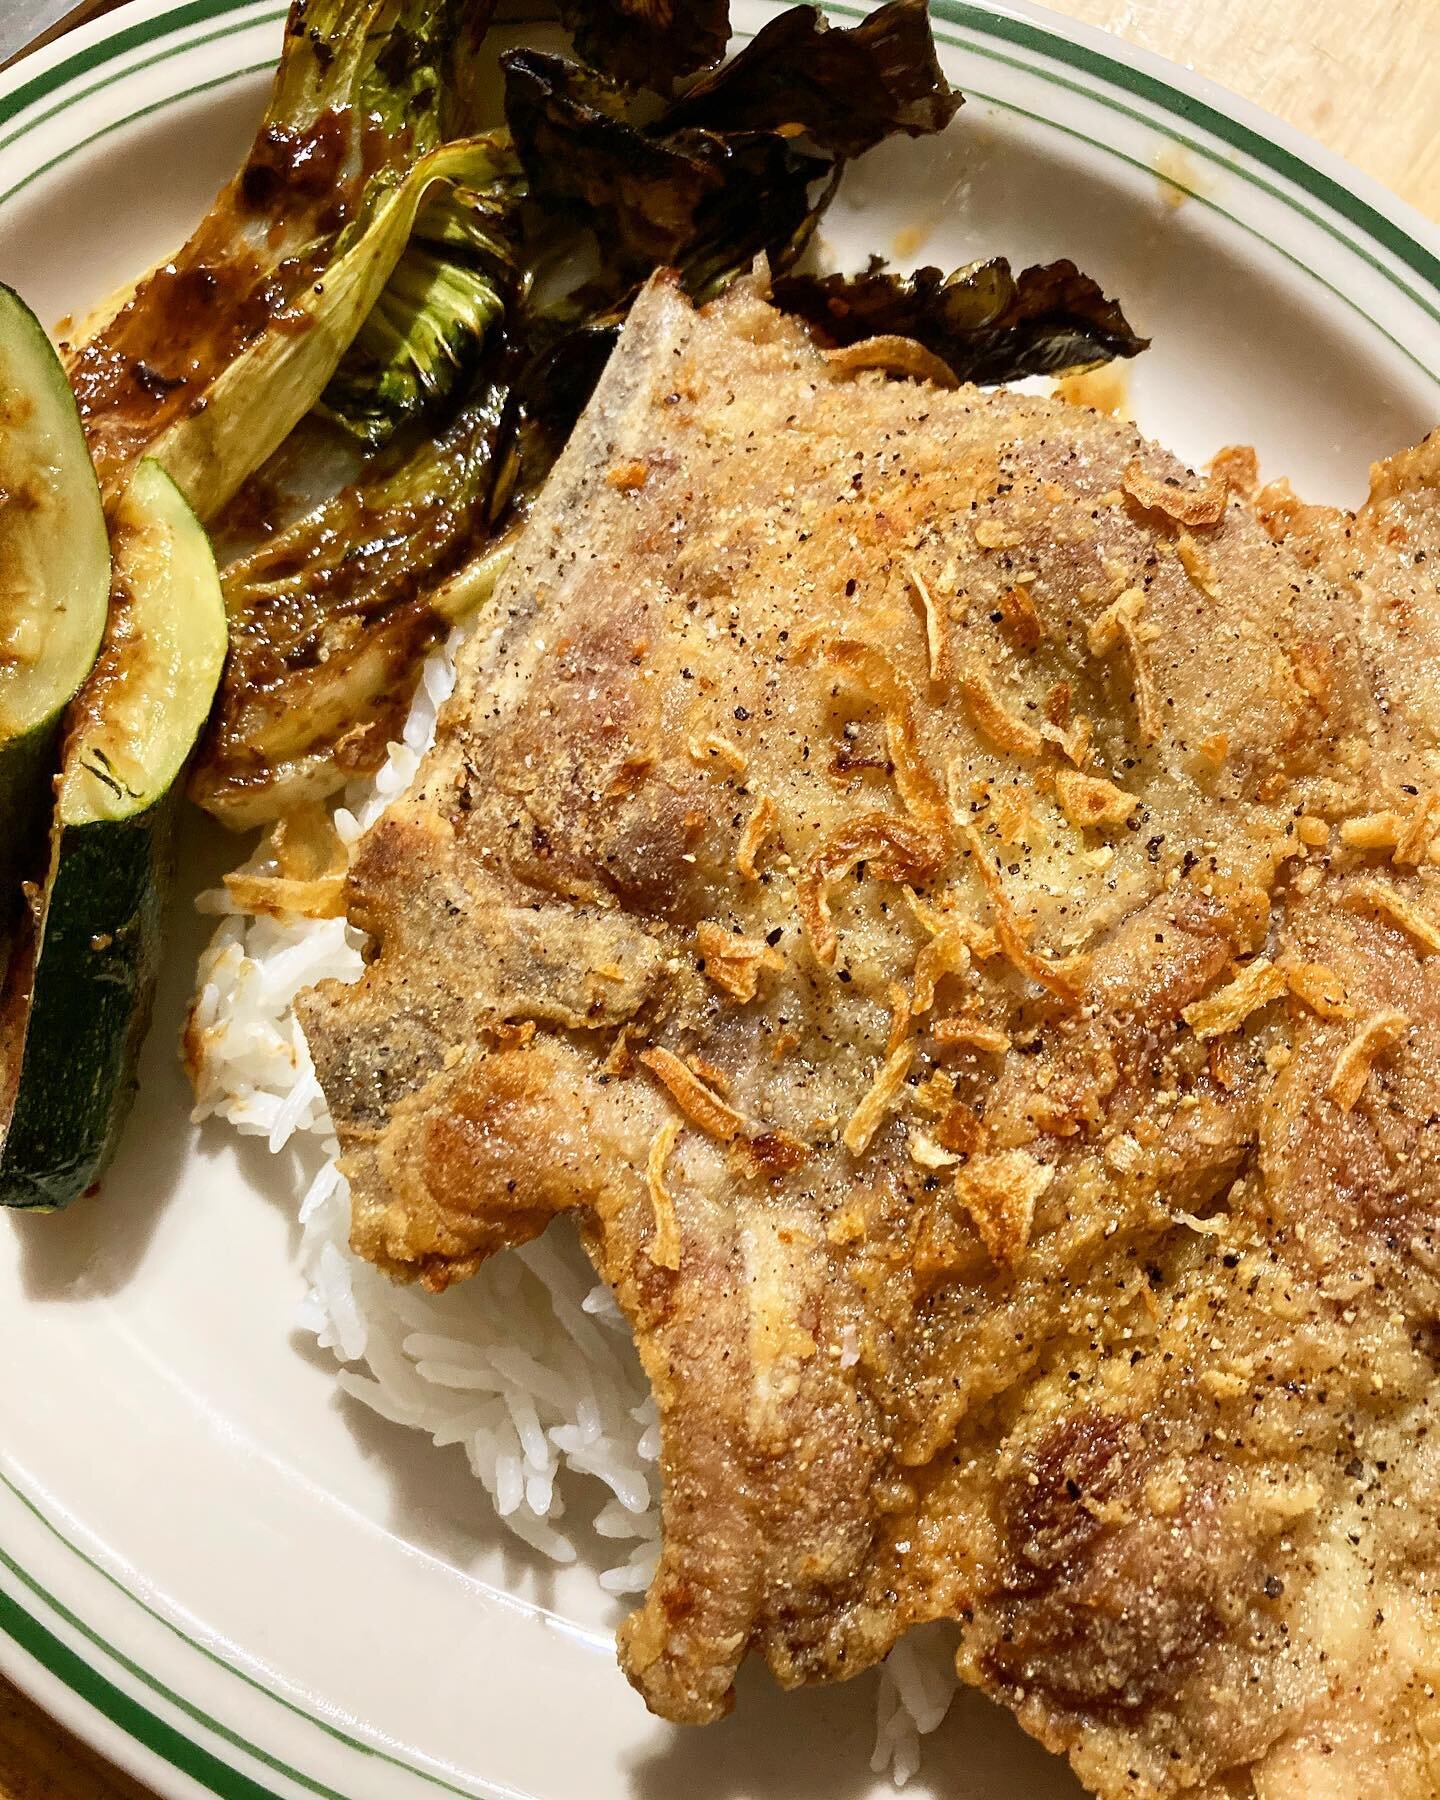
[896,356]
[618,1060]
[1380,1032]
[1202,505]
[972,1034]
[1196,565]
[1320,988]
[1238,467]
[1018,617]
[664,1247]
[1372,831]
[1072,739]
[1408,833]
[306,845]
[1413,843]
[945,914]
[899,1003]
[309,876]
[992,717]
[752,839]
[1012,815]
[1120,623]
[872,670]
[999,1190]
[927,1153]
[894,848]
[1227,1009]
[735,963]
[322,897]
[947,953]
[1064,979]
[715,745]
[880,1099]
[1089,801]
[1388,903]
[937,639]
[699,1103]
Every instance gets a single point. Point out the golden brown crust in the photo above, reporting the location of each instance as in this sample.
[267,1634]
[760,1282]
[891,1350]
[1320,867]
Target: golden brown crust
[1142,1311]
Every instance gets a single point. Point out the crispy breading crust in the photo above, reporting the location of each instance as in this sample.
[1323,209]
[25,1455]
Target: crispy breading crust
[1098,1110]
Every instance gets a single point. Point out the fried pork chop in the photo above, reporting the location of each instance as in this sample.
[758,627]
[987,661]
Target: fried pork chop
[945,895]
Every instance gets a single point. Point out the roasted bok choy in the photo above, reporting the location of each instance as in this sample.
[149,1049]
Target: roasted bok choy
[218,352]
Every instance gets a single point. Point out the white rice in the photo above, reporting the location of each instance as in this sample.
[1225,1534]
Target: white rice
[529,1365]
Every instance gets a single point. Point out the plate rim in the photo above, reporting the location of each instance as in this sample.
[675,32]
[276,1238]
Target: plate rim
[38,1661]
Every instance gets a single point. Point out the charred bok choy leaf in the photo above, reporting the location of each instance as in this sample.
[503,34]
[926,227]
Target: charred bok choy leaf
[217,353]
[329,619]
[847,90]
[985,323]
[648,43]
[447,294]
[734,166]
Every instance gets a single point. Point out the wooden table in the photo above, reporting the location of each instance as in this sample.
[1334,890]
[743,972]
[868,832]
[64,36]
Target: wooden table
[1363,78]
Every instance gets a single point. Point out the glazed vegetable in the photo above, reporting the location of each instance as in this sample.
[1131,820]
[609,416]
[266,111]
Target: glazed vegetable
[448,292]
[329,618]
[649,195]
[81,980]
[847,90]
[54,576]
[220,350]
[648,45]
[986,323]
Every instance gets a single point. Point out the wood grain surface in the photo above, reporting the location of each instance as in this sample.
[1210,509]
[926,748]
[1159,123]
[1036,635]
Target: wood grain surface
[1363,78]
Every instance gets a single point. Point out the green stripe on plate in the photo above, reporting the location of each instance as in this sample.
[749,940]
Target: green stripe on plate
[1199,112]
[106,49]
[97,87]
[135,1720]
[370,1751]
[141,112]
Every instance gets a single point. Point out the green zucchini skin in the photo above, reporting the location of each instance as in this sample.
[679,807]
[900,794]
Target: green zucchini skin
[94,985]
[80,980]
[27,768]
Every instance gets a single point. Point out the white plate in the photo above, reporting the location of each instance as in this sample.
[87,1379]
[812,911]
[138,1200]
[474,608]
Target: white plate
[213,1566]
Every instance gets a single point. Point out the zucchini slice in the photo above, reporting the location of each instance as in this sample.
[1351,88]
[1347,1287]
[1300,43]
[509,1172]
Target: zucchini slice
[80,988]
[54,572]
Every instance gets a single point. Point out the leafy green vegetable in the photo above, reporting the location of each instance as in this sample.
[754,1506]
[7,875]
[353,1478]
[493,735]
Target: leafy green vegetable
[363,93]
[845,89]
[447,293]
[648,43]
[328,619]
[579,151]
[986,323]
[733,168]
[255,402]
